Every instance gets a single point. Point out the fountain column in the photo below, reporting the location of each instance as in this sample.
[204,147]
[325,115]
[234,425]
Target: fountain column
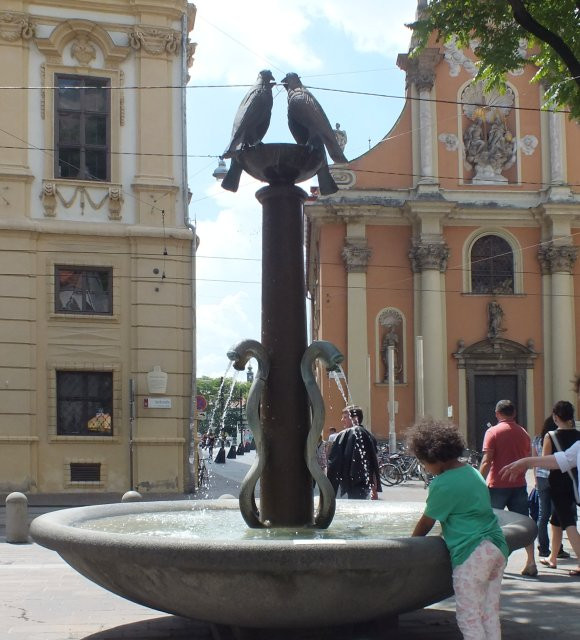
[285,485]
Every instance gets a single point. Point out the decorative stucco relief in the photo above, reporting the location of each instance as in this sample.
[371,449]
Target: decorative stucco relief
[344,178]
[428,255]
[456,59]
[86,39]
[15,26]
[489,146]
[356,255]
[556,258]
[155,41]
[450,140]
[83,50]
[52,194]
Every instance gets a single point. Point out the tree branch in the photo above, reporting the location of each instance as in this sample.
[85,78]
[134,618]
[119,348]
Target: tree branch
[523,17]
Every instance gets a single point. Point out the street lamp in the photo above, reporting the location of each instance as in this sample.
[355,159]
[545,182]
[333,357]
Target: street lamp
[221,170]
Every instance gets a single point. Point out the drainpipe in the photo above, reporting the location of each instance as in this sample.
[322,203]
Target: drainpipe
[188,448]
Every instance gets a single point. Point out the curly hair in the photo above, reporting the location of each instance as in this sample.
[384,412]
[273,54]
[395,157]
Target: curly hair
[435,441]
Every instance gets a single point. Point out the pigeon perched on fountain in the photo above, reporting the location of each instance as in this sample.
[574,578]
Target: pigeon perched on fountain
[309,125]
[250,125]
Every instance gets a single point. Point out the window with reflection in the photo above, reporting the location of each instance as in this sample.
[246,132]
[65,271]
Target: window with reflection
[83,290]
[84,403]
[82,127]
[492,266]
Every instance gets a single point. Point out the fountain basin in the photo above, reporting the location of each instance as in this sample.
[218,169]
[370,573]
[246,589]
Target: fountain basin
[281,163]
[270,583]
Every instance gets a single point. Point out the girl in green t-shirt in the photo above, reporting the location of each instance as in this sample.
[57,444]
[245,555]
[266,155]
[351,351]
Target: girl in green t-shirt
[459,499]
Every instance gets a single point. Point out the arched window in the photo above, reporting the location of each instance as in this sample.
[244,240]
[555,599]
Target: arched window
[492,266]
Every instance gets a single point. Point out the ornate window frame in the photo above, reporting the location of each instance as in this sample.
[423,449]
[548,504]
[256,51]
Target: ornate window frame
[82,40]
[517,257]
[379,380]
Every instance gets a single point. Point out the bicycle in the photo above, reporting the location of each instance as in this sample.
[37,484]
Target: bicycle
[401,467]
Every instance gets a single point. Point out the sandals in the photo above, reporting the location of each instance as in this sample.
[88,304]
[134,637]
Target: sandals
[530,570]
[574,573]
[547,563]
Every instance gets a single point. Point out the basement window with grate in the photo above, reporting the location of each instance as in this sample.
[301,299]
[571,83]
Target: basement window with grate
[85,472]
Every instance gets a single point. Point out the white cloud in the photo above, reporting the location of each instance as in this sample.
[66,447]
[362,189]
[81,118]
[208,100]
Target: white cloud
[374,26]
[234,37]
[249,35]
[228,275]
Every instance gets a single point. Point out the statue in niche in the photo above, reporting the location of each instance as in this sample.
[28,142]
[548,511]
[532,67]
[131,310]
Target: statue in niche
[489,146]
[495,316]
[391,339]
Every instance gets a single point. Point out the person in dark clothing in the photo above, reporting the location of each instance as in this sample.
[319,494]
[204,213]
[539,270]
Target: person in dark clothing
[353,467]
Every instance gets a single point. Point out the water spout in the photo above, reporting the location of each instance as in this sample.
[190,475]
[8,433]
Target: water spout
[331,357]
[239,356]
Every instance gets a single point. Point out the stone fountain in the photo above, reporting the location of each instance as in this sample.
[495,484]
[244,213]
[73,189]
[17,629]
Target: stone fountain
[295,571]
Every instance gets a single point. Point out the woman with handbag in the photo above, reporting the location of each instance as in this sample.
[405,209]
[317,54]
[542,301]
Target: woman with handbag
[562,490]
[544,499]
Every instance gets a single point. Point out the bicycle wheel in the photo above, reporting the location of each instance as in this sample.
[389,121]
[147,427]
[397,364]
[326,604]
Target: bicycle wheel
[390,474]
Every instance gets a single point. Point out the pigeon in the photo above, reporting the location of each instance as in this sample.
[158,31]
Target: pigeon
[250,125]
[309,125]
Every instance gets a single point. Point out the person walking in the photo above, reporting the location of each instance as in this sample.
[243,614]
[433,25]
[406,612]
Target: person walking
[459,499]
[503,443]
[544,499]
[353,468]
[564,515]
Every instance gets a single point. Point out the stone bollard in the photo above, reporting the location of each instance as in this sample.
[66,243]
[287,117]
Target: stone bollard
[132,496]
[17,518]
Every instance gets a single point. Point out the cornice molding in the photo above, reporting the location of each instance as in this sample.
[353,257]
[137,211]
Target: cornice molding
[15,26]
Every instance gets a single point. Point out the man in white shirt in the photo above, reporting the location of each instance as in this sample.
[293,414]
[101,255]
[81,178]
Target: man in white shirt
[563,460]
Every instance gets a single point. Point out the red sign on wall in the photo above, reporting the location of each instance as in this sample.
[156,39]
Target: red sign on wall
[200,403]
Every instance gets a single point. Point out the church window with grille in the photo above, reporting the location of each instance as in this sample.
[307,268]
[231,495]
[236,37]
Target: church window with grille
[492,266]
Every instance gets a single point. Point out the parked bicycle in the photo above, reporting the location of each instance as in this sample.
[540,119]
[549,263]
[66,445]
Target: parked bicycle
[402,467]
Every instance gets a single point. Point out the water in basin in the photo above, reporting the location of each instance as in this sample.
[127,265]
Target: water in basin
[369,520]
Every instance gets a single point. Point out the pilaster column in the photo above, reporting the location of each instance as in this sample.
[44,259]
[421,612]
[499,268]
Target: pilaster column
[356,255]
[157,48]
[421,72]
[556,148]
[557,261]
[16,32]
[429,259]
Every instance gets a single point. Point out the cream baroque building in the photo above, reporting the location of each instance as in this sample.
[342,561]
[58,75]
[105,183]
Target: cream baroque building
[460,231]
[95,251]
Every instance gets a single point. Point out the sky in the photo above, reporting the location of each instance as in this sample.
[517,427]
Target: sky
[331,44]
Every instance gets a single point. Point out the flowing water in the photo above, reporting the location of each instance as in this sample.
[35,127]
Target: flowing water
[363,521]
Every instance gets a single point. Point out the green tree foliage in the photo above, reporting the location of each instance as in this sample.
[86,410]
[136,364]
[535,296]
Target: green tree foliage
[209,388]
[551,28]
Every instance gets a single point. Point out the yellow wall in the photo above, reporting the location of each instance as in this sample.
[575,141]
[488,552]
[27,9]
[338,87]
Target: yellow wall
[127,224]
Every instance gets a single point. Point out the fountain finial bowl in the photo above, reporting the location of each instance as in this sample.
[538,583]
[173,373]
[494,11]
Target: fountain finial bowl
[281,163]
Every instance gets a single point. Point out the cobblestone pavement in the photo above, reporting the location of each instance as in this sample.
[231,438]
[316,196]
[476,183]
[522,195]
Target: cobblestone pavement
[42,598]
